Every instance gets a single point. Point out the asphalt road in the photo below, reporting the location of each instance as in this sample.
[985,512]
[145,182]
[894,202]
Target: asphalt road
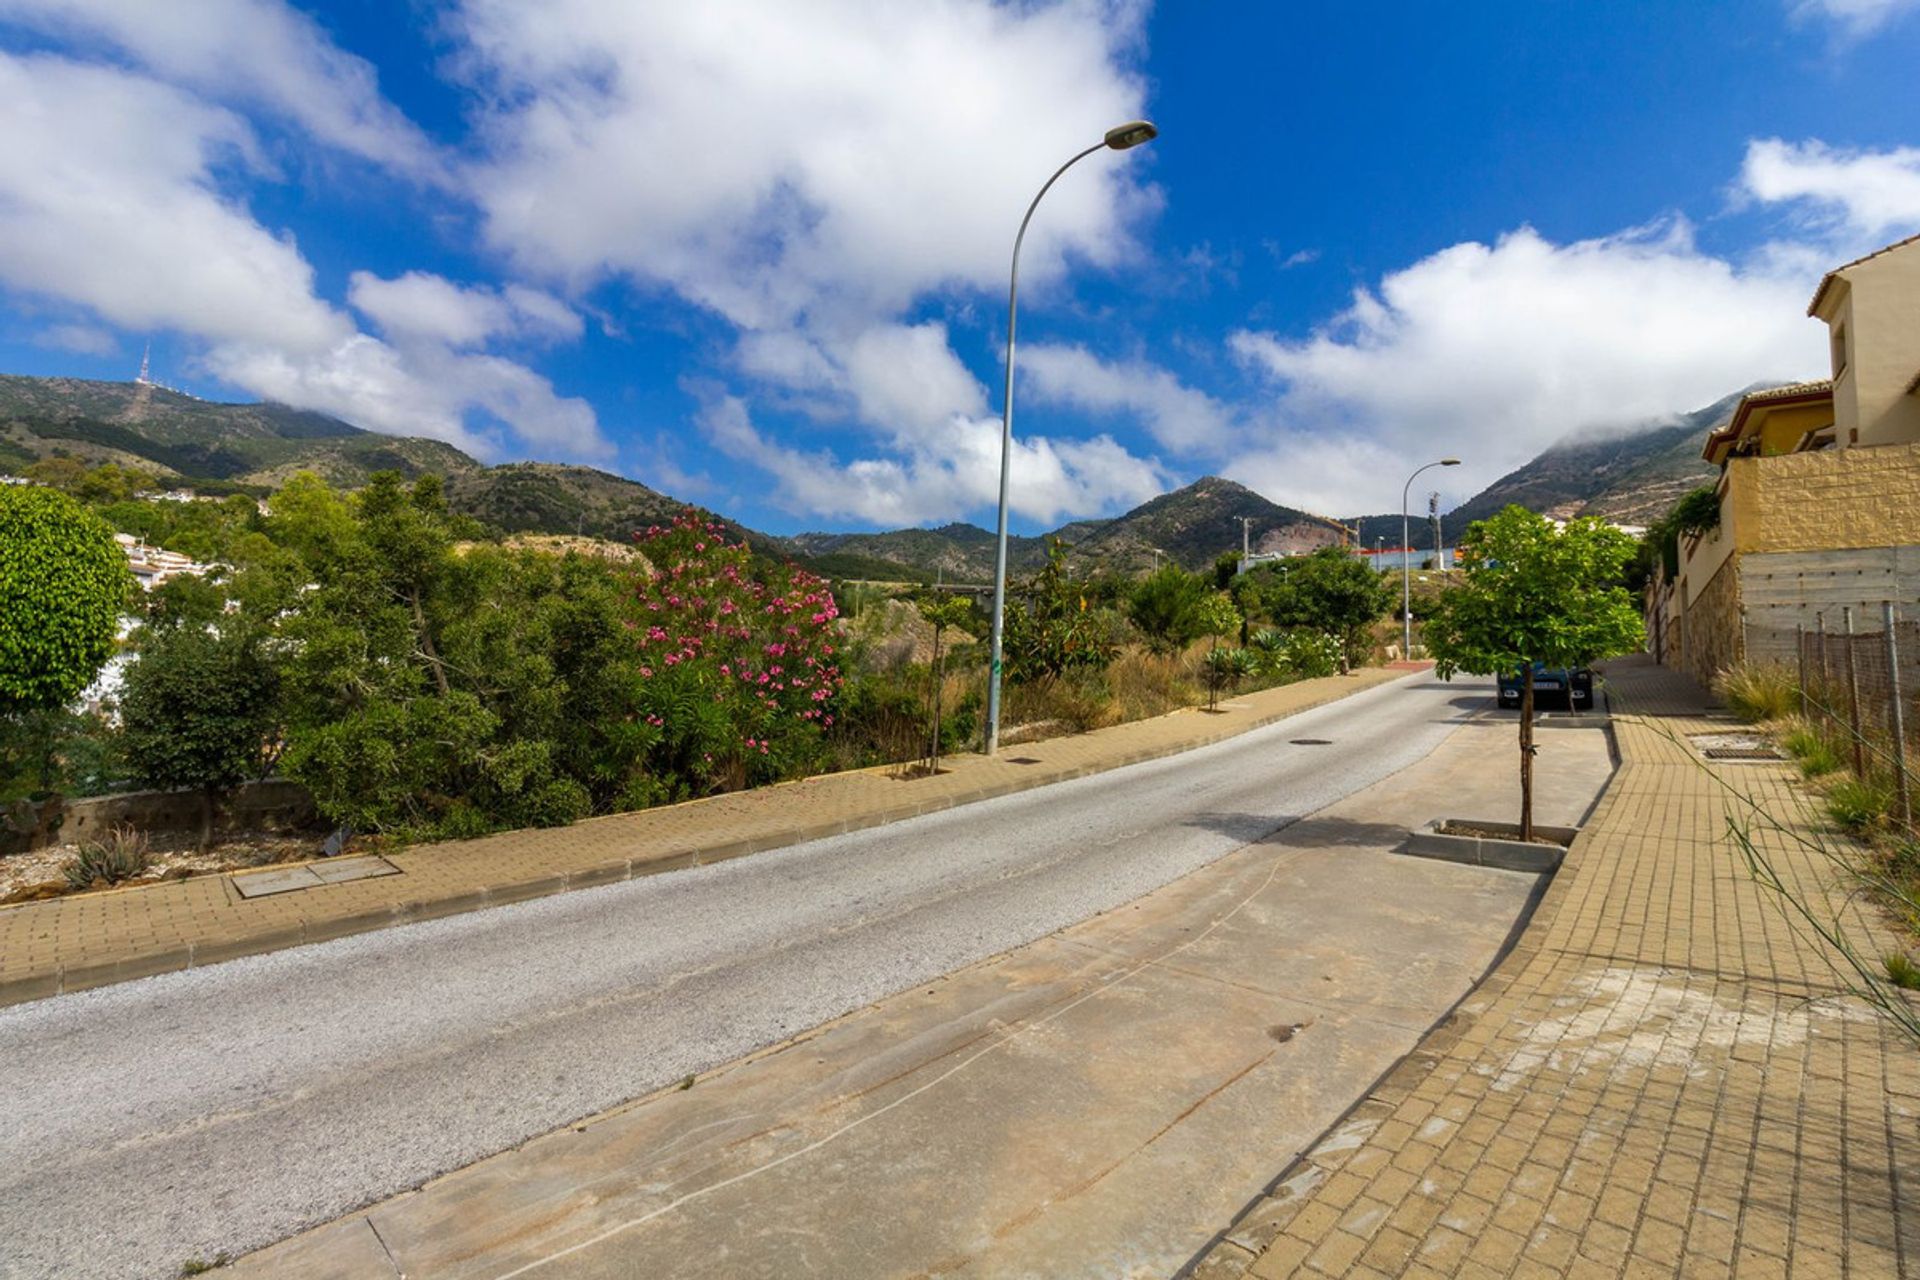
[215,1110]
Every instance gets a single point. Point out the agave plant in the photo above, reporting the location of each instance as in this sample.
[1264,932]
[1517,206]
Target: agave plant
[119,856]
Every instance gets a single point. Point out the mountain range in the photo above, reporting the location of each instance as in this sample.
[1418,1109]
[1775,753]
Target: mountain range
[1630,475]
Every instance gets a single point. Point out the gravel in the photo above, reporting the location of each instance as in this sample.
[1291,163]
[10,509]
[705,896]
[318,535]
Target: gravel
[218,1109]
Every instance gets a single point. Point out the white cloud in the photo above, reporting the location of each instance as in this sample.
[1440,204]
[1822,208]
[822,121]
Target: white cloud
[1051,480]
[1862,197]
[1181,418]
[1493,352]
[256,51]
[111,199]
[421,390]
[906,379]
[809,173]
[82,339]
[420,305]
[108,198]
[775,161]
[1856,17]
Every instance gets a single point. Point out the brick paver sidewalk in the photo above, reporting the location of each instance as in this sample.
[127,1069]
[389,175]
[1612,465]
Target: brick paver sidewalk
[1662,1079]
[90,940]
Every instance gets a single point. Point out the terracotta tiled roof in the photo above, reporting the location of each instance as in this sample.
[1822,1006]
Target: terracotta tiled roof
[1791,391]
[1826,281]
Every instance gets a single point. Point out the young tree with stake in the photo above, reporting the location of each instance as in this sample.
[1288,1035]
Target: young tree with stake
[1531,594]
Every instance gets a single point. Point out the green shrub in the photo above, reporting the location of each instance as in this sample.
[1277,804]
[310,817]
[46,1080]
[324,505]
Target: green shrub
[557,803]
[1309,654]
[1757,691]
[1815,754]
[1859,805]
[1050,630]
[1166,608]
[1225,669]
[1902,972]
[63,583]
[118,857]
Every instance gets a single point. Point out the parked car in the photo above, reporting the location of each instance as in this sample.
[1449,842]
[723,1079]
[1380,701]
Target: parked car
[1551,685]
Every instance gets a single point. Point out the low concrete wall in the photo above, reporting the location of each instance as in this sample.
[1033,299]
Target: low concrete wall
[255,806]
[1431,841]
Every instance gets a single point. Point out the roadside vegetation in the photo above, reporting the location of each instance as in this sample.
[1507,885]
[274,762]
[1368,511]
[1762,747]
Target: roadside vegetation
[1848,820]
[425,676]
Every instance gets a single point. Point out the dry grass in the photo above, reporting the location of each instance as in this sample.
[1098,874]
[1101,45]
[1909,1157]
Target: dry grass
[1138,685]
[1758,692]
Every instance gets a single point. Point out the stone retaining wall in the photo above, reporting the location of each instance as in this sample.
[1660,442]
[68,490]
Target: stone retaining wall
[255,806]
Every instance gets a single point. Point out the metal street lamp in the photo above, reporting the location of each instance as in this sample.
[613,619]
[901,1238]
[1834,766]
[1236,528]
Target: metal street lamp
[1119,138]
[1406,559]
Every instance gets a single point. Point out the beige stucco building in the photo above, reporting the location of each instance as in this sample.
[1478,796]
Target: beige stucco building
[1819,487]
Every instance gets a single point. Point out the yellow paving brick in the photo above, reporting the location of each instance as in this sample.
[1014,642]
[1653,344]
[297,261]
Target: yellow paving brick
[1663,1078]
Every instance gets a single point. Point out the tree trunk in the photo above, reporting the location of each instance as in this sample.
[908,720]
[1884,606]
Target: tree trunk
[1526,752]
[426,644]
[1213,676]
[933,747]
[206,818]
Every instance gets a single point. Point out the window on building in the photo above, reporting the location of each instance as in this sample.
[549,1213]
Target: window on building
[1839,349]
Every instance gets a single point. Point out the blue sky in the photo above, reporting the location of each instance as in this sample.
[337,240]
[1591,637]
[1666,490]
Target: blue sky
[754,254]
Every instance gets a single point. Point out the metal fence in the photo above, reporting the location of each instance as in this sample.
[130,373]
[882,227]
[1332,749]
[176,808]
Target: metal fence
[1859,672]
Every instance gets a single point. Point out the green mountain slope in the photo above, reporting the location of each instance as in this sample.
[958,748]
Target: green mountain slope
[1194,525]
[147,426]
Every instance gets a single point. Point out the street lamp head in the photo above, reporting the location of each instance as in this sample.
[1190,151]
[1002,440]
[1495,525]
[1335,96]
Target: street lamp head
[1131,134]
[1449,462]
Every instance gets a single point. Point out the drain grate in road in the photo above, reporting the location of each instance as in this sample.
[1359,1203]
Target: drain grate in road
[1311,742]
[262,884]
[1022,760]
[1741,753]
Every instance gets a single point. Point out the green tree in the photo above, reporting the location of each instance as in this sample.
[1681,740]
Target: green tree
[1531,594]
[1333,592]
[941,615]
[63,584]
[57,472]
[1166,608]
[440,692]
[1215,616]
[200,709]
[1049,628]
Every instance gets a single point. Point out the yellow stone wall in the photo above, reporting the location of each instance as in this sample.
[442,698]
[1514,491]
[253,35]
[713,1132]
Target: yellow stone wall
[1833,499]
[1710,628]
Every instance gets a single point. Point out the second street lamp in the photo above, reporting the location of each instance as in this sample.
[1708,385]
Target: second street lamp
[1406,560]
[1119,138]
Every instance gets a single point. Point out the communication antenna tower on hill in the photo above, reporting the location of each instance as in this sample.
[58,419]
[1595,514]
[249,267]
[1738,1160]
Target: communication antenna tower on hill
[145,377]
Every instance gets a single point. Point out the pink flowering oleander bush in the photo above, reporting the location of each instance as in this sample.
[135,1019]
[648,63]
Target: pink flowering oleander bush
[737,667]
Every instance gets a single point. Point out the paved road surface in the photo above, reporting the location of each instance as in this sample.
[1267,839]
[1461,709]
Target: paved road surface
[218,1109]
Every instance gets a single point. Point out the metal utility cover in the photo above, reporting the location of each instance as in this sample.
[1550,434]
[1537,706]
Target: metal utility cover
[261,884]
[1733,746]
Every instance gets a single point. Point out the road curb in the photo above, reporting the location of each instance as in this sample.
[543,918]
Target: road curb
[68,979]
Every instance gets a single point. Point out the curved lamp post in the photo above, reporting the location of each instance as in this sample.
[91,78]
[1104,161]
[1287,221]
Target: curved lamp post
[1119,138]
[1406,560]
